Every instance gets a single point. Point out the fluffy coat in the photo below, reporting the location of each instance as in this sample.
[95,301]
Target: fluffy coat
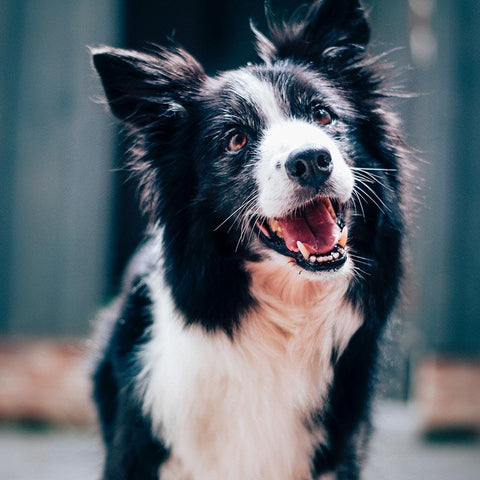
[228,355]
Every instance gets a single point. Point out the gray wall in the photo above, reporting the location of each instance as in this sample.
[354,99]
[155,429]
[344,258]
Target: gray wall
[445,121]
[442,50]
[56,152]
[56,155]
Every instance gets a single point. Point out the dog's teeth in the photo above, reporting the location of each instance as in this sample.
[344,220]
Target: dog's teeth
[275,227]
[342,241]
[328,204]
[331,210]
[341,251]
[303,250]
[328,258]
[273,224]
[312,259]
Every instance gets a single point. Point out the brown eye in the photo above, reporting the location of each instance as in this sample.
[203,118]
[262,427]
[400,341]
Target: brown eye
[237,141]
[322,116]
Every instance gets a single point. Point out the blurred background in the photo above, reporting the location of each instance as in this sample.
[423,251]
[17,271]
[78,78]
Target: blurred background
[69,221]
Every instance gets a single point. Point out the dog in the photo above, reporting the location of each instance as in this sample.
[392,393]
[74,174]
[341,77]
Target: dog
[244,342]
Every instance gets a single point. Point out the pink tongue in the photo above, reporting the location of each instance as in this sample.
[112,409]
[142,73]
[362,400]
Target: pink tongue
[314,227]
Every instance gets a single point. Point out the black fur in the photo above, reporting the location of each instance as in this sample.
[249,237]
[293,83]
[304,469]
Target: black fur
[133,452]
[176,119]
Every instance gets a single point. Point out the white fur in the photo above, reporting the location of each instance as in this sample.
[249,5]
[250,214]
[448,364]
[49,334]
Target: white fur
[276,191]
[256,91]
[238,409]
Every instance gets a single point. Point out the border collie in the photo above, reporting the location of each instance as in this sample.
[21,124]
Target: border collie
[244,342]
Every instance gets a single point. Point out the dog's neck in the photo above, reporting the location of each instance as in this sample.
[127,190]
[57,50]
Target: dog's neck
[308,318]
[291,287]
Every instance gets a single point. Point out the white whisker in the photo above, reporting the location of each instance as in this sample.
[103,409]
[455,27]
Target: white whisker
[372,178]
[247,201]
[367,196]
[374,169]
[356,194]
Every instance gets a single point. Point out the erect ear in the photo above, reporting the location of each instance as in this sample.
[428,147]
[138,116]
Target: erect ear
[328,25]
[139,86]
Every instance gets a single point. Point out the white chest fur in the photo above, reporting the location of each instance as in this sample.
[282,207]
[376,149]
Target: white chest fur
[238,409]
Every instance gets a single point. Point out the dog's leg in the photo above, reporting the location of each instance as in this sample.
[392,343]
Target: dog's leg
[347,472]
[327,476]
[348,465]
[348,421]
[351,466]
[133,453]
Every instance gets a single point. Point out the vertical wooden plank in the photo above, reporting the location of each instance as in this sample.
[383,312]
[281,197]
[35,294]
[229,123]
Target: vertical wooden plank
[463,230]
[390,33]
[431,124]
[445,123]
[11,28]
[62,158]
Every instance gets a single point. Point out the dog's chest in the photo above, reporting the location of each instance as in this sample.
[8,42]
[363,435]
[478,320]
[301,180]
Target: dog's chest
[240,409]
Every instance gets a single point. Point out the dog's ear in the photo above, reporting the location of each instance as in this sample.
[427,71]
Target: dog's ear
[329,28]
[140,87]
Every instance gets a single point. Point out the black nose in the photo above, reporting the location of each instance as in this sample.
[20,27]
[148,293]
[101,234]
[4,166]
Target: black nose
[309,166]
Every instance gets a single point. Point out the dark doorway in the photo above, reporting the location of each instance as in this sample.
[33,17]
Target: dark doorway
[218,34]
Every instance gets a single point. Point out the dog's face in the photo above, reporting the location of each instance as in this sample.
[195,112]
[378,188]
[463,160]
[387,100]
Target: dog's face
[275,155]
[293,160]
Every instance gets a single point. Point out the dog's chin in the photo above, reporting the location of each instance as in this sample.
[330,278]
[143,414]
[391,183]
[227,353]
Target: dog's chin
[312,238]
[282,263]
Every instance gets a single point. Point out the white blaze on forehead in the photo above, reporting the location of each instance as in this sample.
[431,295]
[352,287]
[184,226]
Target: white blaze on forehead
[288,135]
[259,93]
[276,189]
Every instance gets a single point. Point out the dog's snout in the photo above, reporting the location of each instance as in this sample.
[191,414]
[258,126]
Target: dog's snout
[309,166]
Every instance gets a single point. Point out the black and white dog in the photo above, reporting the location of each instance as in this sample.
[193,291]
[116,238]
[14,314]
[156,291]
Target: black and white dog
[244,342]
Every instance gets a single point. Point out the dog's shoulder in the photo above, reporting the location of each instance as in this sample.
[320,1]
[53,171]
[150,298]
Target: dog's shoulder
[131,314]
[123,328]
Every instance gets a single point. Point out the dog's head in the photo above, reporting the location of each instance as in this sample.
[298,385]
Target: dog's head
[290,161]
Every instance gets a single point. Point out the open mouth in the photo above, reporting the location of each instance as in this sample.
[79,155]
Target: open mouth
[315,235]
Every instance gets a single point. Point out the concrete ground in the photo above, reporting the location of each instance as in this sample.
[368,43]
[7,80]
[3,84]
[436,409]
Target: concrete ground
[397,453]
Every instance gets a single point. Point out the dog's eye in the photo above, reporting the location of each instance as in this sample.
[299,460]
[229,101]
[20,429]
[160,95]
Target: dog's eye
[236,141]
[322,116]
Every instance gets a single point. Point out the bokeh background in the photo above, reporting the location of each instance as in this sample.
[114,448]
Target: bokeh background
[69,221]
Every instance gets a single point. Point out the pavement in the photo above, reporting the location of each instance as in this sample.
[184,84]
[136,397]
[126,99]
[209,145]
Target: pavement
[397,452]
